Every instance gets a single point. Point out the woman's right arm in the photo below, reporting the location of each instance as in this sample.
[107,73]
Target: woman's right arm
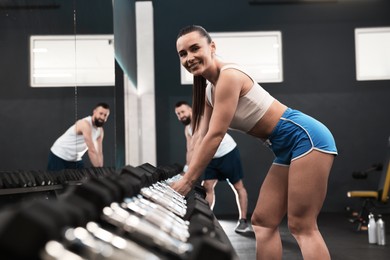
[184,185]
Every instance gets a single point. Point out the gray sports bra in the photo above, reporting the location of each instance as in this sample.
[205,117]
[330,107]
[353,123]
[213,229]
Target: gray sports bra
[251,107]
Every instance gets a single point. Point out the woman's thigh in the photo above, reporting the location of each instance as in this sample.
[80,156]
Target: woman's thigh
[307,184]
[271,205]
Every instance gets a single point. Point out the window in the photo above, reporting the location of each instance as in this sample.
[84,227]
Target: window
[372,47]
[259,53]
[69,60]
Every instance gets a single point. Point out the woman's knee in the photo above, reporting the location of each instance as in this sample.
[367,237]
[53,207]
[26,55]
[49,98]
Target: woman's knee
[264,220]
[299,225]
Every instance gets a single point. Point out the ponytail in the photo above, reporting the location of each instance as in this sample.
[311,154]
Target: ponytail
[198,101]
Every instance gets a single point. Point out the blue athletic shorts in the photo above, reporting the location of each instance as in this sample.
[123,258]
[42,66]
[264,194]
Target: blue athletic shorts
[297,134]
[225,167]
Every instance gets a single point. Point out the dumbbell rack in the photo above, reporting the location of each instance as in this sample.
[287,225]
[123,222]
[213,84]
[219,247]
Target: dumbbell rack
[130,214]
[21,185]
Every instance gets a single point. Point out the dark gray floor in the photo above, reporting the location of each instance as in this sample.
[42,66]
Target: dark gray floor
[343,241]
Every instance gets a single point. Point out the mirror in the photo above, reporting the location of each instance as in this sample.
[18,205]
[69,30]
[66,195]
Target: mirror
[34,117]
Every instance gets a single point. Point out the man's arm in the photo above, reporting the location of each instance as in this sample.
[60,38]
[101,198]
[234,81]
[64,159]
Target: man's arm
[95,153]
[99,143]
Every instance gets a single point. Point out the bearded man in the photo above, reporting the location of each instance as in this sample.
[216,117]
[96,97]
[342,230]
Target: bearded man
[85,135]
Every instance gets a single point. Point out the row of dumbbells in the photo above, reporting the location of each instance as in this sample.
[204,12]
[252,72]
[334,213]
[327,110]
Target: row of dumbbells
[30,224]
[34,178]
[171,225]
[158,223]
[136,228]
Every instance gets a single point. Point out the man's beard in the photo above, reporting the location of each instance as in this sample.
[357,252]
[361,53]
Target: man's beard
[186,121]
[98,123]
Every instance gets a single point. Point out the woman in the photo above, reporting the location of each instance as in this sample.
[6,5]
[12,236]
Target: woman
[296,182]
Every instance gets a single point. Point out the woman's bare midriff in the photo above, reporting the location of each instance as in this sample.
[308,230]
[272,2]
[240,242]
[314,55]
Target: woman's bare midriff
[264,127]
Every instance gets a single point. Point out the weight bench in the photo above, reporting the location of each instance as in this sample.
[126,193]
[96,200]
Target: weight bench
[372,200]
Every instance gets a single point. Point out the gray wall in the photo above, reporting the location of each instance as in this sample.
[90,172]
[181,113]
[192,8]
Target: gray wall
[319,79]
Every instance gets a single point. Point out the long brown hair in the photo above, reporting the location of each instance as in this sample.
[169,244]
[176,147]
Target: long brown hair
[199,86]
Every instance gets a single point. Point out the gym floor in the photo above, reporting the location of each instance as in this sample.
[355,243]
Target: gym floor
[344,242]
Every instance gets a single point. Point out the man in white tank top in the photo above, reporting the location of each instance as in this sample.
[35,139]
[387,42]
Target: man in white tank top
[225,166]
[85,135]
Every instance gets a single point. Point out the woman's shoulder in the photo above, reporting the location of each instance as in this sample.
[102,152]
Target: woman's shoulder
[233,67]
[226,66]
[234,71]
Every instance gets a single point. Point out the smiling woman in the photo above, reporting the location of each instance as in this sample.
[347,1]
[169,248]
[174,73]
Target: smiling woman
[190,51]
[304,148]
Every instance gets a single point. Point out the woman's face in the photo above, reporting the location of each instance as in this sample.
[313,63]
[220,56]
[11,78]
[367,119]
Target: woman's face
[195,52]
